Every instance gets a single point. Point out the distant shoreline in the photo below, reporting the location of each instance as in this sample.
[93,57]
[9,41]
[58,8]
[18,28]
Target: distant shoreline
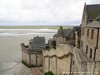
[33,27]
[22,32]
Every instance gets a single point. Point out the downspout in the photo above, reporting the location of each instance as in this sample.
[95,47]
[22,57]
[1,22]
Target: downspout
[36,59]
[96,43]
[44,64]
[70,73]
[49,64]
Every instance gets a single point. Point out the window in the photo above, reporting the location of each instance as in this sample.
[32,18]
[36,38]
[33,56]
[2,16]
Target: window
[92,33]
[86,49]
[91,52]
[87,32]
[73,62]
[54,44]
[81,43]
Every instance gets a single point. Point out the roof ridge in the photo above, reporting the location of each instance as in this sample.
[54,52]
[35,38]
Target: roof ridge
[92,4]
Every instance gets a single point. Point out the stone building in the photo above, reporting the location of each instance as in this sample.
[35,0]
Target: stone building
[59,59]
[63,36]
[52,43]
[32,53]
[90,34]
[87,56]
[81,57]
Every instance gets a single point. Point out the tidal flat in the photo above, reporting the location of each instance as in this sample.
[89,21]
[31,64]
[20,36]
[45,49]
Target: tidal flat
[10,49]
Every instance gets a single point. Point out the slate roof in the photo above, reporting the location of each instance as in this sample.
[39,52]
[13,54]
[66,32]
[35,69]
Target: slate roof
[65,33]
[38,42]
[94,24]
[93,11]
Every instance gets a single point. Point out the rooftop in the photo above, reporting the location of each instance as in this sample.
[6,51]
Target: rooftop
[63,33]
[93,11]
[38,42]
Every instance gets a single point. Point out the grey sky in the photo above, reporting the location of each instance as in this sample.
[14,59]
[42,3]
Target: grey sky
[42,12]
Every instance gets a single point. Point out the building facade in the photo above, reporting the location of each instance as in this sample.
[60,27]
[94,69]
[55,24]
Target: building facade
[32,53]
[89,60]
[82,55]
[90,34]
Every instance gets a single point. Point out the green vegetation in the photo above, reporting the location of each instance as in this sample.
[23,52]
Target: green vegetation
[33,27]
[47,47]
[48,73]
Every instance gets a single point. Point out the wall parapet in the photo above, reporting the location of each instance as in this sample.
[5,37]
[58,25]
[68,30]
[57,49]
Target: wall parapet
[54,59]
[60,51]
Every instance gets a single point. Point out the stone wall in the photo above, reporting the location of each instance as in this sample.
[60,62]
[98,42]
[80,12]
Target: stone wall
[61,40]
[67,59]
[58,61]
[90,68]
[32,59]
[25,57]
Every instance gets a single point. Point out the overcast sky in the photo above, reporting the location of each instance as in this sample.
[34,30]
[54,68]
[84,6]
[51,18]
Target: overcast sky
[42,12]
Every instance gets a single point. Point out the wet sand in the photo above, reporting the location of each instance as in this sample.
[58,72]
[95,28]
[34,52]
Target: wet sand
[10,49]
[18,69]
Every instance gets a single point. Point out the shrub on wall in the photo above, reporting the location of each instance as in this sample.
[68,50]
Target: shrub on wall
[48,73]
